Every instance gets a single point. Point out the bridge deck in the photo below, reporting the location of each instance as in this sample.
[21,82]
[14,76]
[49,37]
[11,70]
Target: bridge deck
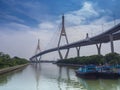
[101,38]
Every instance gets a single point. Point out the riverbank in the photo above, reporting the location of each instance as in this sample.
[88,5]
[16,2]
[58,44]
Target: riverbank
[7,61]
[69,65]
[8,69]
[110,59]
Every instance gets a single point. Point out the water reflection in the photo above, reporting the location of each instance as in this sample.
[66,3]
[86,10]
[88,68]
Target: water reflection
[59,77]
[100,84]
[37,69]
[70,83]
[4,78]
[51,77]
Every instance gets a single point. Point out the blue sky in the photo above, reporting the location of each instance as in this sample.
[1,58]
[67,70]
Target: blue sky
[24,21]
[33,12]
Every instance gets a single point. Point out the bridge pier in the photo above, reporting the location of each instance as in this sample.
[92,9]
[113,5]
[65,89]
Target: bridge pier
[78,51]
[37,59]
[63,34]
[66,55]
[60,55]
[99,48]
[34,59]
[111,43]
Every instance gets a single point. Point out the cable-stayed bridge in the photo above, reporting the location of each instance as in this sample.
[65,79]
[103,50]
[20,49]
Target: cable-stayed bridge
[109,35]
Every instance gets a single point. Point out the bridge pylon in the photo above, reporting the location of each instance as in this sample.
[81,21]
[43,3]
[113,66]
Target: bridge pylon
[63,34]
[38,50]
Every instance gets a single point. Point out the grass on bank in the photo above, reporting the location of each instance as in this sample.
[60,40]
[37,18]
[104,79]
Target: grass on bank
[7,61]
[111,58]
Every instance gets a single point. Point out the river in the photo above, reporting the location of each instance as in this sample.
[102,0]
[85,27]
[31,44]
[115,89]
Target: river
[47,76]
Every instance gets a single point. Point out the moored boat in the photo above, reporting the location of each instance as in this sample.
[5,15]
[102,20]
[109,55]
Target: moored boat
[97,72]
[87,72]
[107,72]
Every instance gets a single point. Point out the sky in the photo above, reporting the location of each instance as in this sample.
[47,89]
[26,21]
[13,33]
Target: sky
[22,22]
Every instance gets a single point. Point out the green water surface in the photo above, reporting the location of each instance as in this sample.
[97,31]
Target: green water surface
[46,76]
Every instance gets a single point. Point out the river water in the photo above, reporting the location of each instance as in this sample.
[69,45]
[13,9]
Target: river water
[47,76]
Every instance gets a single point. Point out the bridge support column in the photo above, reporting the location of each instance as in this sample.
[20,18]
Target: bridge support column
[33,59]
[78,51]
[60,55]
[63,34]
[111,42]
[36,60]
[39,58]
[99,48]
[66,55]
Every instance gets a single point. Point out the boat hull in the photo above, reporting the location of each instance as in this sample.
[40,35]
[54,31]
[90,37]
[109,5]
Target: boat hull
[87,75]
[108,75]
[97,75]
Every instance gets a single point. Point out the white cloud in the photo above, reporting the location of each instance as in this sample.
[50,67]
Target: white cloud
[46,25]
[24,41]
[80,16]
[87,10]
[11,17]
[21,40]
[32,9]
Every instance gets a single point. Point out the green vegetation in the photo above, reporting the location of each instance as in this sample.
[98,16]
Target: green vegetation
[7,61]
[111,58]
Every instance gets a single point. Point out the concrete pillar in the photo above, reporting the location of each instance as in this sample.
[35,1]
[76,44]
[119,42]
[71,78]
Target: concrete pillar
[33,59]
[39,58]
[87,36]
[63,34]
[60,55]
[111,43]
[66,55]
[78,51]
[36,60]
[99,48]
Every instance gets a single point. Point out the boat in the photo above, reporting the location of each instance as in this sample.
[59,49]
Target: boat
[107,72]
[87,72]
[97,72]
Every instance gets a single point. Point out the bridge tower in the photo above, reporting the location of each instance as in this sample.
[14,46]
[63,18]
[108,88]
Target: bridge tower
[38,49]
[63,34]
